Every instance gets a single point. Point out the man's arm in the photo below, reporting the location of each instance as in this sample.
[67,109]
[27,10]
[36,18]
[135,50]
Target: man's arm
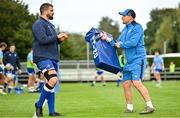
[5,57]
[18,62]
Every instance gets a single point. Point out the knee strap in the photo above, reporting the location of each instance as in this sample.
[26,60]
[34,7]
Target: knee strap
[48,86]
[49,76]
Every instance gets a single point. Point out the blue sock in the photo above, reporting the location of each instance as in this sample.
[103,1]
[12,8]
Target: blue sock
[44,95]
[5,85]
[9,90]
[51,102]
[118,82]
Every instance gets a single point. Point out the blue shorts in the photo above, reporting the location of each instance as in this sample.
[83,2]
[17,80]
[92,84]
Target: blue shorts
[31,71]
[137,72]
[158,70]
[100,72]
[47,64]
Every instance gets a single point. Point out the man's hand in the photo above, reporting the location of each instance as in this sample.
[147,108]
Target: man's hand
[103,36]
[118,44]
[62,36]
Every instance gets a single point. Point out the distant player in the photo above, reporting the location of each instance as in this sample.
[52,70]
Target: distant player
[122,62]
[157,67]
[2,77]
[9,77]
[31,72]
[99,74]
[12,57]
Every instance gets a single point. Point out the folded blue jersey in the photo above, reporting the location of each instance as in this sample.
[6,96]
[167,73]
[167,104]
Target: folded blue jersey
[105,56]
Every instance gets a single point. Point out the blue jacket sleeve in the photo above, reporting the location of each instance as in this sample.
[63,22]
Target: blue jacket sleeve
[18,62]
[39,32]
[133,39]
[5,57]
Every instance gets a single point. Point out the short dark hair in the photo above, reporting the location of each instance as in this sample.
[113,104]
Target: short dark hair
[3,44]
[45,7]
[12,44]
[131,13]
[157,50]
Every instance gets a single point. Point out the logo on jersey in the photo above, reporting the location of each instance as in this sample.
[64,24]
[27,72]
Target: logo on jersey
[94,49]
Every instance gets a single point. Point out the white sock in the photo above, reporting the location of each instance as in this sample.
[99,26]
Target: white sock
[149,104]
[130,107]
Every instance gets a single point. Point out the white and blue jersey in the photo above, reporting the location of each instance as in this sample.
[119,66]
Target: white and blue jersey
[158,63]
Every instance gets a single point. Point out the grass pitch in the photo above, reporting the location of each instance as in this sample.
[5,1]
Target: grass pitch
[83,101]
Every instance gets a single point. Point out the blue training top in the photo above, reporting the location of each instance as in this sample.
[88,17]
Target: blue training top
[45,42]
[132,42]
[158,61]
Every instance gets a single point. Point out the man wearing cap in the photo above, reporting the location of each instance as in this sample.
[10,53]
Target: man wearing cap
[131,41]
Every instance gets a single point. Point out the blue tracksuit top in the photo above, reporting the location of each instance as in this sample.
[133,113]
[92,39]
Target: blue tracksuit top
[13,59]
[132,42]
[45,42]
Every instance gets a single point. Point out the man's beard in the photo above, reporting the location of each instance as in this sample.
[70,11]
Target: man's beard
[50,17]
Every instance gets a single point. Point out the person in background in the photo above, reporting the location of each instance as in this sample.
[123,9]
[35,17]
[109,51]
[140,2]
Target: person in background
[157,67]
[9,77]
[172,67]
[147,72]
[99,74]
[2,76]
[31,72]
[122,62]
[12,58]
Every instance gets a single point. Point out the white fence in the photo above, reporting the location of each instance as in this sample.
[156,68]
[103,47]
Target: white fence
[75,71]
[80,71]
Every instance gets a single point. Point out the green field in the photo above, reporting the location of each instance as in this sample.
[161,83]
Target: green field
[83,101]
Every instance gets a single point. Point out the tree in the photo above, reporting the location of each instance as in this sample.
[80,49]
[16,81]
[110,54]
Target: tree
[110,26]
[157,17]
[177,28]
[74,47]
[16,23]
[165,34]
